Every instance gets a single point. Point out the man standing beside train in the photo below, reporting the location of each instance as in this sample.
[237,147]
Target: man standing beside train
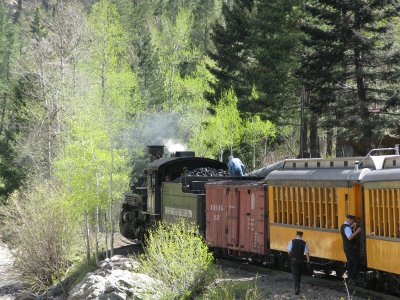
[296,249]
[350,248]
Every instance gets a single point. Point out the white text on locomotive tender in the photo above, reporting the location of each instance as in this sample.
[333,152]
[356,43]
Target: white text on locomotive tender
[178,212]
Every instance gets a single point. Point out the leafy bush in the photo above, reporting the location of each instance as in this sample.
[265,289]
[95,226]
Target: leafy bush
[38,227]
[178,256]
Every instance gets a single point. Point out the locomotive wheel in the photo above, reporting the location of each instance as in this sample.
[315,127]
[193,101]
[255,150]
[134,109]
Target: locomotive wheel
[142,234]
[126,231]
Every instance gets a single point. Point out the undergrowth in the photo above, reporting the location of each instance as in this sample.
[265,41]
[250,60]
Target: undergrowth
[178,257]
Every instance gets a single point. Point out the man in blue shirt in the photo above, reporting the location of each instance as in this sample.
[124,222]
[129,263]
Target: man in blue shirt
[296,249]
[350,248]
[236,167]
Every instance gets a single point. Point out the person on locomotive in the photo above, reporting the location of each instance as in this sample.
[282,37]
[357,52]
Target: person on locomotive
[350,248]
[296,249]
[236,167]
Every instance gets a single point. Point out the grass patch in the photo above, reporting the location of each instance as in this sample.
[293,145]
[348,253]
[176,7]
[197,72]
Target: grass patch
[231,290]
[78,271]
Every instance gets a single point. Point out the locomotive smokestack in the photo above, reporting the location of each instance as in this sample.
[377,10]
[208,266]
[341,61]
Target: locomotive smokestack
[155,152]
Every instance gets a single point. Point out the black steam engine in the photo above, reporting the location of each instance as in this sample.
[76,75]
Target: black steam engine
[170,188]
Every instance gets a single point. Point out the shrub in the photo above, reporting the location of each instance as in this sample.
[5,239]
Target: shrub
[38,227]
[178,256]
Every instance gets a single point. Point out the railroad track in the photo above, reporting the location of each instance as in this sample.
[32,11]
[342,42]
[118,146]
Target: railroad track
[318,280]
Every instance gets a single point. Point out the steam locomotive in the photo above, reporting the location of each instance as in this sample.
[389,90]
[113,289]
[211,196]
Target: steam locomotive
[256,216]
[170,188]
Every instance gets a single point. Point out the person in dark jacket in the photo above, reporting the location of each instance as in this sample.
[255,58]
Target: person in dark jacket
[350,248]
[296,249]
[236,167]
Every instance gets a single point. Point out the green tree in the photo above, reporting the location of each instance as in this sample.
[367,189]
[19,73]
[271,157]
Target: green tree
[115,89]
[276,44]
[37,28]
[205,15]
[256,131]
[223,128]
[233,53]
[10,174]
[350,66]
[174,49]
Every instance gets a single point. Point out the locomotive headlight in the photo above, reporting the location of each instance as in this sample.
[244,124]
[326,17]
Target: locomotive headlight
[127,216]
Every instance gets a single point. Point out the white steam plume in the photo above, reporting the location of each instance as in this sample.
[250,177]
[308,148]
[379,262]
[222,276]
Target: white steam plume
[173,147]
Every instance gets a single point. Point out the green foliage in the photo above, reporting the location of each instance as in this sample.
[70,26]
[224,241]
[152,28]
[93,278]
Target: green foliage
[230,290]
[93,163]
[178,256]
[223,128]
[256,131]
[11,174]
[233,53]
[349,65]
[79,270]
[275,34]
[41,230]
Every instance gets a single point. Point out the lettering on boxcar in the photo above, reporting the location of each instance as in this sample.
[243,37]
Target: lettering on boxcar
[253,201]
[250,224]
[217,217]
[178,212]
[256,240]
[217,207]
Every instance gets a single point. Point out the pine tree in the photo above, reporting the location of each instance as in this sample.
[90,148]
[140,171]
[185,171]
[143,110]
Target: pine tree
[205,15]
[10,174]
[37,28]
[233,55]
[276,39]
[351,66]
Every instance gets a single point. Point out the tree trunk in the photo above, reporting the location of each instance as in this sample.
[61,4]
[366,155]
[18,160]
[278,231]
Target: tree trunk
[254,157]
[3,112]
[97,234]
[314,143]
[106,233]
[97,208]
[303,125]
[18,11]
[111,197]
[329,142]
[87,238]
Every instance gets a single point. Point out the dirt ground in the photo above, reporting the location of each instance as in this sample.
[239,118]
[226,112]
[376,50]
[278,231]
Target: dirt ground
[273,284]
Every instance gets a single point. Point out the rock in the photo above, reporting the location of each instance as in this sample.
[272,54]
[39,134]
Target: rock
[115,280]
[25,296]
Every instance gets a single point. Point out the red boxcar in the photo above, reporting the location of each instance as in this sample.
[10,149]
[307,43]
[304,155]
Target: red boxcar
[237,216]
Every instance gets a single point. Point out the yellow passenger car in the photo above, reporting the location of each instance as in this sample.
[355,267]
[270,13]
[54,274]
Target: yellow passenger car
[314,196]
[382,222]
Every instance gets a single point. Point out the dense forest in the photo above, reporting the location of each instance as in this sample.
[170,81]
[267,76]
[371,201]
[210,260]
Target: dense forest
[85,85]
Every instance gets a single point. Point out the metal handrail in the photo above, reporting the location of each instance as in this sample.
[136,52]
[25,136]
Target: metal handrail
[359,163]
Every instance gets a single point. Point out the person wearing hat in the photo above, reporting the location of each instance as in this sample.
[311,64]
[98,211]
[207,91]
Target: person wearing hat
[236,167]
[296,249]
[350,248]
